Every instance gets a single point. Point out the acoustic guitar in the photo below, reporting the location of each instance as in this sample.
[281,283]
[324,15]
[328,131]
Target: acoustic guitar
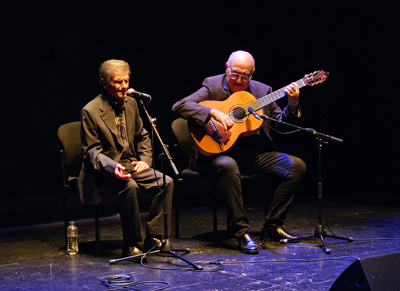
[212,138]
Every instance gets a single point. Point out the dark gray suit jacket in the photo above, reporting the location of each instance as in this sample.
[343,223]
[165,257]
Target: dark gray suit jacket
[101,147]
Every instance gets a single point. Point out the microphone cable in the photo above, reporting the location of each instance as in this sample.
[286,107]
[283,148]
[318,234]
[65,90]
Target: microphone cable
[128,282]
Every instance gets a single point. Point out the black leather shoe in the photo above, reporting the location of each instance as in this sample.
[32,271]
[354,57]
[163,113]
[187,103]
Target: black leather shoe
[133,251]
[151,243]
[275,234]
[247,245]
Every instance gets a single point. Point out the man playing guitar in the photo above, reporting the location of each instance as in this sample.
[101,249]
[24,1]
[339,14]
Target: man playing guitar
[219,151]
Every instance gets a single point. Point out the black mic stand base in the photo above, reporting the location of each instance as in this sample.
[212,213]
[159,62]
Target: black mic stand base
[319,233]
[165,249]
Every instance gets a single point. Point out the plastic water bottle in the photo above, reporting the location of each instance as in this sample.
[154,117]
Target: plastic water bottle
[72,236]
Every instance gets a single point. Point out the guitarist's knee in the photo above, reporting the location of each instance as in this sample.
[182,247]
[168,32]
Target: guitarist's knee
[226,164]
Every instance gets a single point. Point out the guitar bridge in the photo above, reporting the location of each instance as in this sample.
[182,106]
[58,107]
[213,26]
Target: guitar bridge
[217,133]
[214,129]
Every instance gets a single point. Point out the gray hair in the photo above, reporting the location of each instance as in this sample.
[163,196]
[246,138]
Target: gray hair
[109,66]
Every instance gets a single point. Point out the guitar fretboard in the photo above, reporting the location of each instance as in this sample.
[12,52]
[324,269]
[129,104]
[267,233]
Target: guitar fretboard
[267,99]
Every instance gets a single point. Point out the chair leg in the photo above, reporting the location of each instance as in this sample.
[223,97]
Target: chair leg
[97,229]
[177,221]
[65,212]
[215,218]
[177,208]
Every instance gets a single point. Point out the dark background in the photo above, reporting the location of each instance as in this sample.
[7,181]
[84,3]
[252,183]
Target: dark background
[53,51]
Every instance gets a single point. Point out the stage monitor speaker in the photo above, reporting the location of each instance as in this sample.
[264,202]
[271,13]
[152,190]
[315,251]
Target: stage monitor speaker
[373,273]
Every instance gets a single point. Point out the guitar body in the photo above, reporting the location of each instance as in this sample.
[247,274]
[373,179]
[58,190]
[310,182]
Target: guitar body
[212,139]
[208,141]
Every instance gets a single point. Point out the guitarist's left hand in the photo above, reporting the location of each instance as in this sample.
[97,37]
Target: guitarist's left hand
[293,93]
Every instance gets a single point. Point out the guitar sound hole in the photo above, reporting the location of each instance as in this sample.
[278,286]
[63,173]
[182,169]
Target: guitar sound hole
[238,114]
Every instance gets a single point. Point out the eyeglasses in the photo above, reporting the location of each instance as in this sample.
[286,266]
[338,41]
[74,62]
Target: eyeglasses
[236,76]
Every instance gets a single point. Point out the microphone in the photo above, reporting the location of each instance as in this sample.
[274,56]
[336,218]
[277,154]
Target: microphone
[133,93]
[251,110]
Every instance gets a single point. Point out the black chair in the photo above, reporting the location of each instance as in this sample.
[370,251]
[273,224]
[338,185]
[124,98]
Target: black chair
[190,178]
[71,162]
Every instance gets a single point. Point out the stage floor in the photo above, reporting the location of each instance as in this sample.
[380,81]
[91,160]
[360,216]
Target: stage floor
[34,257]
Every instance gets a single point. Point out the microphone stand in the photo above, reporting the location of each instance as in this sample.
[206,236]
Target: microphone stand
[165,247]
[319,232]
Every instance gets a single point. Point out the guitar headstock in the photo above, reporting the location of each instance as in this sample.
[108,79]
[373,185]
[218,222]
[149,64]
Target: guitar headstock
[315,78]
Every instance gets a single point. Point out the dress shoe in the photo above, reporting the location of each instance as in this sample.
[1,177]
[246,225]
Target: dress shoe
[133,251]
[275,234]
[247,245]
[152,243]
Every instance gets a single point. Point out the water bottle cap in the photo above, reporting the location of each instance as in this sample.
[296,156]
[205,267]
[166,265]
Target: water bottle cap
[72,222]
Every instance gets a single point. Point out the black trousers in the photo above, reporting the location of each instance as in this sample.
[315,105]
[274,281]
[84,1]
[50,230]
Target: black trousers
[128,195]
[249,157]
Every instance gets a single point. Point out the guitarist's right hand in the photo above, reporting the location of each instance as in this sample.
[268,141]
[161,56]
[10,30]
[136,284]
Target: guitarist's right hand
[223,118]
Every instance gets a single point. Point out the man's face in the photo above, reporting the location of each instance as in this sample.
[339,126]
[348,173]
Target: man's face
[238,75]
[118,85]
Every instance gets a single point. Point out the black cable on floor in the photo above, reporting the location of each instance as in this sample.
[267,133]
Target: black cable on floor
[128,282]
[207,266]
